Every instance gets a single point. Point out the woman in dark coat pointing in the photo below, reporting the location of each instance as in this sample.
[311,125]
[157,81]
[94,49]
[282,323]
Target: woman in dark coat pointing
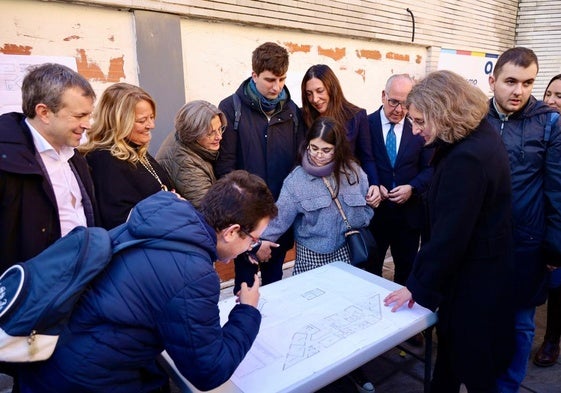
[464,270]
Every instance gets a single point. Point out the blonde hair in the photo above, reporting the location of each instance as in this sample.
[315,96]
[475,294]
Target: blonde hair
[452,107]
[113,122]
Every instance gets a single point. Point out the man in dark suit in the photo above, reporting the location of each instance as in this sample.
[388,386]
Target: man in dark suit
[403,167]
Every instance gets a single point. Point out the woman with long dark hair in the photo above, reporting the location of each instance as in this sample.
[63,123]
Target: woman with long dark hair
[322,95]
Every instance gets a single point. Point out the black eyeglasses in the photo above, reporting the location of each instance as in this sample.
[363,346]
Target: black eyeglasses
[394,103]
[254,241]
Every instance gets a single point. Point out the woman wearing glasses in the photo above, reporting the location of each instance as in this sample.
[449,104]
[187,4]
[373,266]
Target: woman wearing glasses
[306,202]
[464,269]
[189,152]
[322,95]
[123,171]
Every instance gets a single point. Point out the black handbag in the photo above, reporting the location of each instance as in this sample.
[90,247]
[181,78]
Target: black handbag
[360,241]
[361,245]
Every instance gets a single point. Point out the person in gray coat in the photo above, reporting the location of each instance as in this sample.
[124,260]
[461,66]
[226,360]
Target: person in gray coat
[189,152]
[306,202]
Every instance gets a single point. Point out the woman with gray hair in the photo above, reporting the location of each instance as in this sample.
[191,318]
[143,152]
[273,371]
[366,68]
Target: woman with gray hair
[188,153]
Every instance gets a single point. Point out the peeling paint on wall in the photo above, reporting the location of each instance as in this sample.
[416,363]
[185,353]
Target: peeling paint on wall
[369,54]
[418,59]
[397,56]
[13,49]
[116,69]
[292,47]
[92,71]
[334,53]
[362,73]
[72,37]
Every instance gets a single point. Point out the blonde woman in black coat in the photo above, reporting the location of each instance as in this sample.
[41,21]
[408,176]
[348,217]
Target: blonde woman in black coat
[464,270]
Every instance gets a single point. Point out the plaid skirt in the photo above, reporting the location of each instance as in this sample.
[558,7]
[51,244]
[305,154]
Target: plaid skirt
[307,259]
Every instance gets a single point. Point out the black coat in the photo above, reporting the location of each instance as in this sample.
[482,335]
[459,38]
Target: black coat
[265,147]
[29,220]
[120,185]
[465,268]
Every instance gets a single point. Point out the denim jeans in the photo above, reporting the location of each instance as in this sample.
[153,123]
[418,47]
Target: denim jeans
[511,380]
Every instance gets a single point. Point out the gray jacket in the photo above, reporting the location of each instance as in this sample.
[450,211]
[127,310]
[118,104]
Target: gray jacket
[305,201]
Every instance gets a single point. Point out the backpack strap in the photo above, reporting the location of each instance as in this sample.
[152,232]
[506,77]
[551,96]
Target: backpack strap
[294,111]
[237,111]
[553,117]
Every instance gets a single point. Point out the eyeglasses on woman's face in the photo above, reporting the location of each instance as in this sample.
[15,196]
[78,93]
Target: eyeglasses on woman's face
[419,123]
[316,151]
[216,132]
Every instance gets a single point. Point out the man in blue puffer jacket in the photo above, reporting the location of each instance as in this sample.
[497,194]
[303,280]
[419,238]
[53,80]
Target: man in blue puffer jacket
[531,133]
[163,295]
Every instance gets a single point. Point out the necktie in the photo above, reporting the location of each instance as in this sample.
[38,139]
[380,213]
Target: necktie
[391,144]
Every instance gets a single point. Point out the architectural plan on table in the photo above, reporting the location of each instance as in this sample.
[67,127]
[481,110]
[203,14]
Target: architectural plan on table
[311,320]
[316,327]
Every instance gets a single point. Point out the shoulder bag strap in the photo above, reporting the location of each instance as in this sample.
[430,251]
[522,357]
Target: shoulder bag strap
[336,200]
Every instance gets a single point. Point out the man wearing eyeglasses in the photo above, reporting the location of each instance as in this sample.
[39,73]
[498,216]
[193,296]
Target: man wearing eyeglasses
[402,162]
[263,134]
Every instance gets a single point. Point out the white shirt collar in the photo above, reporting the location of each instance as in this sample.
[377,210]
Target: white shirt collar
[386,122]
[43,146]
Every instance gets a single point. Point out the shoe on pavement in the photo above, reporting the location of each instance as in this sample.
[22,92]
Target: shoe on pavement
[361,381]
[547,354]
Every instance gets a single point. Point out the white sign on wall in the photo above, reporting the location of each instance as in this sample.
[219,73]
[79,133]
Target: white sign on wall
[474,66]
[12,71]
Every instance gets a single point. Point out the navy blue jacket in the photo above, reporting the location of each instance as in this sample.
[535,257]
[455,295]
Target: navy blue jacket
[412,166]
[265,147]
[535,167]
[358,135]
[29,219]
[162,295]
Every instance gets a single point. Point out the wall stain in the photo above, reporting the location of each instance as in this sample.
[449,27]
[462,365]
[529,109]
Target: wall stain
[397,56]
[369,54]
[362,73]
[13,49]
[92,71]
[72,37]
[293,47]
[335,53]
[112,38]
[418,59]
[116,69]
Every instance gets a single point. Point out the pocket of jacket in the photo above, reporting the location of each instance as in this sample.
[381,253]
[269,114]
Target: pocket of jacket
[316,203]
